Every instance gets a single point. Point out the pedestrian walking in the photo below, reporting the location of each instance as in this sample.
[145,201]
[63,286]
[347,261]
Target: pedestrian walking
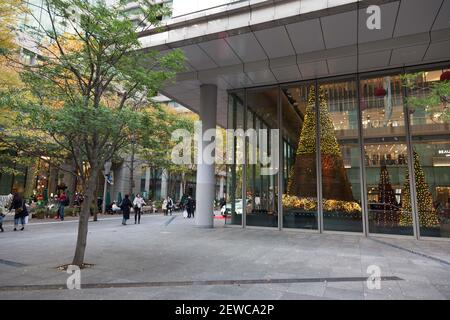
[190,207]
[223,206]
[62,201]
[169,205]
[138,203]
[164,207]
[20,211]
[126,205]
[2,216]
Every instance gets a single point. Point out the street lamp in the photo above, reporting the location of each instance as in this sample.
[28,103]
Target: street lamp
[105,186]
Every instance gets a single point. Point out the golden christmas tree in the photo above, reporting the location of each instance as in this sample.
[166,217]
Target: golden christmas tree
[427,213]
[302,180]
[386,198]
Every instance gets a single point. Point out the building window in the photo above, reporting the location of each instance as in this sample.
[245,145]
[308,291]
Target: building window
[430,132]
[298,110]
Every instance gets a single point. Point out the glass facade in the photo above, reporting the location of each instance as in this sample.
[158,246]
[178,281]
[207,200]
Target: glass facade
[261,188]
[299,200]
[235,185]
[368,153]
[339,156]
[430,144]
[385,154]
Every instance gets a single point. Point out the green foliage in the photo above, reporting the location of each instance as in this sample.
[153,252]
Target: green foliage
[40,213]
[71,212]
[432,97]
[84,99]
[155,137]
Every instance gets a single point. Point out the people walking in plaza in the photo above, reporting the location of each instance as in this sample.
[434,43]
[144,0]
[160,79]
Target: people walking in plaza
[138,203]
[62,201]
[20,211]
[190,207]
[126,205]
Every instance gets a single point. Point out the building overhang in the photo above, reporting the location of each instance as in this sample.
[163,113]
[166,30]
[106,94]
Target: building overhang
[258,43]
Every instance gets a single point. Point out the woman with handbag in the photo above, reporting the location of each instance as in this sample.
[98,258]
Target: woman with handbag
[20,211]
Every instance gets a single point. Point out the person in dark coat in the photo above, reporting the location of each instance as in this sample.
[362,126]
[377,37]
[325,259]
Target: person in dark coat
[126,205]
[190,207]
[20,211]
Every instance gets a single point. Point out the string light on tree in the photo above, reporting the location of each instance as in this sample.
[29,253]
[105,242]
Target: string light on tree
[386,197]
[428,217]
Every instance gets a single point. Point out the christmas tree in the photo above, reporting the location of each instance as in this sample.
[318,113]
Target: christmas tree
[427,213]
[386,196]
[302,180]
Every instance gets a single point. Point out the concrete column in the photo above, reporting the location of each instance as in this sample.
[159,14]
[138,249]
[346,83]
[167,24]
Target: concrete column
[221,187]
[181,190]
[164,184]
[147,180]
[205,191]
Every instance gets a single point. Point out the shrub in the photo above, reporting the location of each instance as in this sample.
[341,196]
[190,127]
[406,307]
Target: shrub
[39,213]
[71,212]
[52,213]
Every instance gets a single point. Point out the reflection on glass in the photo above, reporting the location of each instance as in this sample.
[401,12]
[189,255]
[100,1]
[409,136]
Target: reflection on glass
[299,133]
[261,205]
[430,130]
[233,207]
[388,191]
[339,152]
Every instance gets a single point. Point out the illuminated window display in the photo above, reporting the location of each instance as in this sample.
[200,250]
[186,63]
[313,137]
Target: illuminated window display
[384,155]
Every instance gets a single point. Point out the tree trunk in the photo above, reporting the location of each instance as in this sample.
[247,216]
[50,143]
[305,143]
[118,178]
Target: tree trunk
[94,201]
[73,183]
[89,189]
[172,184]
[183,184]
[131,170]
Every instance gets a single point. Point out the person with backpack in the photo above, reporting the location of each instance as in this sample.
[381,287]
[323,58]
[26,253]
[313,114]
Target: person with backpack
[63,201]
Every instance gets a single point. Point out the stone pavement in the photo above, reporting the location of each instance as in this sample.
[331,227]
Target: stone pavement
[168,258]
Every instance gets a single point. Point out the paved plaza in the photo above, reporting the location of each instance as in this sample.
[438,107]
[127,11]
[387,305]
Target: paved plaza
[169,258]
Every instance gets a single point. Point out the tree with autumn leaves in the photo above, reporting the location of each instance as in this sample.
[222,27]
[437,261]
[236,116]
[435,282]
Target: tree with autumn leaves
[9,12]
[86,95]
[155,143]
